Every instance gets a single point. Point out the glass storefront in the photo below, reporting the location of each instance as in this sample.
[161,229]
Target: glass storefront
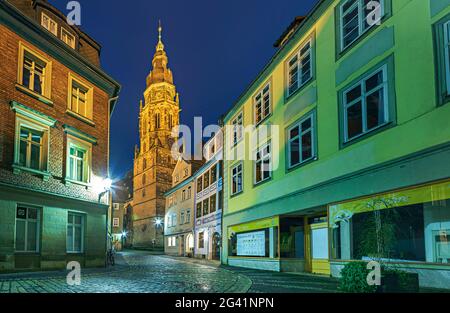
[292,237]
[403,226]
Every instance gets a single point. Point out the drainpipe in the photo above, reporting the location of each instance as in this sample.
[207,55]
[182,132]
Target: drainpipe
[109,212]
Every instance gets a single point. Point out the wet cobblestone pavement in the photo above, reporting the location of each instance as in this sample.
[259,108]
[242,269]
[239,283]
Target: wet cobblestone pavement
[141,272]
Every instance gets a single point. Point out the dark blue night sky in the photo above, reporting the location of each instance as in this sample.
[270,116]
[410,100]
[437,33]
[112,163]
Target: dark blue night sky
[215,48]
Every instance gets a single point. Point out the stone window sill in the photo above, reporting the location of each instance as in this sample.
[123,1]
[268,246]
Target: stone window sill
[34,94]
[17,169]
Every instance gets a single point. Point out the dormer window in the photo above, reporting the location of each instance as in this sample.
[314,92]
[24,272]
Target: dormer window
[49,24]
[68,38]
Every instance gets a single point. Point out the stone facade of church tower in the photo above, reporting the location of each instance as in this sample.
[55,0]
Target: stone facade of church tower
[153,163]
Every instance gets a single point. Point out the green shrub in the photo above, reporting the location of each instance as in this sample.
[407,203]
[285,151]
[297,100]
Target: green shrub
[354,278]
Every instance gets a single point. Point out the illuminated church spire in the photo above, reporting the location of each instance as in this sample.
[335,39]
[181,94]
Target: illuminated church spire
[160,73]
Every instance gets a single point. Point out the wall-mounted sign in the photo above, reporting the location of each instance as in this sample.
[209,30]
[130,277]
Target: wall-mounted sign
[251,244]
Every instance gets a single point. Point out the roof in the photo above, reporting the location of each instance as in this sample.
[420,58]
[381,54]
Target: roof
[304,24]
[289,31]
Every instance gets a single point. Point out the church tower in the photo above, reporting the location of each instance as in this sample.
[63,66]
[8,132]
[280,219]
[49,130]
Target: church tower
[153,163]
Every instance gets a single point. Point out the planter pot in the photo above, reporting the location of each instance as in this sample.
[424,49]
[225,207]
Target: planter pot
[399,282]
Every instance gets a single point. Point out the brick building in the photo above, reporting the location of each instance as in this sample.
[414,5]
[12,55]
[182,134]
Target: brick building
[55,107]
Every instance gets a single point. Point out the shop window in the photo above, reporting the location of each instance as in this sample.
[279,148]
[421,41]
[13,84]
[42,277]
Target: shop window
[27,229]
[254,243]
[75,233]
[392,232]
[292,238]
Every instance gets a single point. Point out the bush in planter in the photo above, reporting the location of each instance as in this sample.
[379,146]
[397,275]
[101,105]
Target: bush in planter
[393,280]
[354,278]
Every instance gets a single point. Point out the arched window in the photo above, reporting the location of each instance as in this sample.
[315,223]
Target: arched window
[157,121]
[170,121]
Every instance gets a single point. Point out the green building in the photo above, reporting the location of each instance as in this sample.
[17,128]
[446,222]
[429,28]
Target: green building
[354,163]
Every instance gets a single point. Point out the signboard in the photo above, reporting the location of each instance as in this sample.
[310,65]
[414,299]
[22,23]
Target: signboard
[251,244]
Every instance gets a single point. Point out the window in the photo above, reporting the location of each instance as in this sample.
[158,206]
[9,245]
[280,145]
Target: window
[68,38]
[116,222]
[262,104]
[301,141]
[199,210]
[75,233]
[186,172]
[236,179]
[188,216]
[262,165]
[189,192]
[201,240]
[31,148]
[143,179]
[171,241]
[34,73]
[199,184]
[206,180]
[366,105]
[170,121]
[212,203]
[299,68]
[182,221]
[205,207]
[355,19]
[157,121]
[447,54]
[214,174]
[116,206]
[80,98]
[183,195]
[220,202]
[237,123]
[78,160]
[49,24]
[27,229]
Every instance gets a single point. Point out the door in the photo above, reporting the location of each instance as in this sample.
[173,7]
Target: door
[319,253]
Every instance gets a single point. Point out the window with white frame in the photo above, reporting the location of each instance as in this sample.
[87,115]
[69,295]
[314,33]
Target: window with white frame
[171,241]
[80,98]
[49,24]
[78,160]
[299,68]
[447,55]
[263,164]
[116,222]
[236,179]
[355,19]
[212,203]
[301,141]
[75,233]
[366,104]
[183,195]
[182,217]
[27,229]
[188,216]
[238,125]
[68,38]
[262,103]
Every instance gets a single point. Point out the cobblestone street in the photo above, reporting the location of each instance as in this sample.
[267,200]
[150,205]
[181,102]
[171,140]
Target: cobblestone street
[141,272]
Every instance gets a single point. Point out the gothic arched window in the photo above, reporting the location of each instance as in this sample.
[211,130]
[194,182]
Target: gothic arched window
[157,121]
[170,121]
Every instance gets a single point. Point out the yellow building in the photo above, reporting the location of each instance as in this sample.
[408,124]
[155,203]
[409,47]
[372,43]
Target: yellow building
[153,163]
